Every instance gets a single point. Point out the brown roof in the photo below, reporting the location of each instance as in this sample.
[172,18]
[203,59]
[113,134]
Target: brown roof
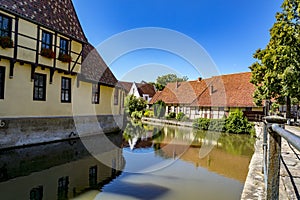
[156,97]
[180,92]
[233,90]
[58,15]
[94,68]
[146,88]
[126,85]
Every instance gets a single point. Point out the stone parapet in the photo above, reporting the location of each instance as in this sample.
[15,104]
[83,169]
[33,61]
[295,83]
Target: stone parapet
[17,132]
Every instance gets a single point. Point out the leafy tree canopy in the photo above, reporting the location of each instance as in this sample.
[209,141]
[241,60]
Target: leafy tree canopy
[132,104]
[162,81]
[276,74]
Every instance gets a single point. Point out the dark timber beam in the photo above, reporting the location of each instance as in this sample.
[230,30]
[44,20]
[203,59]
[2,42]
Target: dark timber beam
[16,38]
[37,46]
[11,69]
[32,71]
[51,75]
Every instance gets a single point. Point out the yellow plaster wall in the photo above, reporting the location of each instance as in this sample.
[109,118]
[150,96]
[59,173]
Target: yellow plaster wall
[18,100]
[260,109]
[29,29]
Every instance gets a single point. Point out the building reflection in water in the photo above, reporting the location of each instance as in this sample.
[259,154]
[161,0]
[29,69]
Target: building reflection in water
[61,170]
[226,154]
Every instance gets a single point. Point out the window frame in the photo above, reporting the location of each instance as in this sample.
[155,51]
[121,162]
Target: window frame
[95,93]
[46,44]
[2,82]
[65,89]
[93,176]
[116,96]
[8,30]
[36,97]
[63,187]
[64,46]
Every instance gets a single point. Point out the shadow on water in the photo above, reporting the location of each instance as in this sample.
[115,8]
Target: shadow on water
[145,191]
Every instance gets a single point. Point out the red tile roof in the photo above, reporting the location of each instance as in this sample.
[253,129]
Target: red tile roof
[57,15]
[180,92]
[94,68]
[233,90]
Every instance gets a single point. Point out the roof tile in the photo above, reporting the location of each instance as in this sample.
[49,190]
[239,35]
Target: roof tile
[58,15]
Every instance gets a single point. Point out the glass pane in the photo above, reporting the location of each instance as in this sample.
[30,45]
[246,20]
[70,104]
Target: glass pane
[36,81]
[67,84]
[1,22]
[36,93]
[41,93]
[63,83]
[62,96]
[41,81]
[5,24]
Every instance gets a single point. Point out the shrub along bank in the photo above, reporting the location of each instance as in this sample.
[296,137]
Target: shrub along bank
[236,122]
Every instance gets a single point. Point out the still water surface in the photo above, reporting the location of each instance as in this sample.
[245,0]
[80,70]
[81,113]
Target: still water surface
[146,162]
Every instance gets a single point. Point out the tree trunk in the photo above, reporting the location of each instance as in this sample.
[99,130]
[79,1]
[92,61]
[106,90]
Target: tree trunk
[288,107]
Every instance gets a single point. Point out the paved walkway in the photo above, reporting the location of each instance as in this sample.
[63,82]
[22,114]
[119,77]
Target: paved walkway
[289,170]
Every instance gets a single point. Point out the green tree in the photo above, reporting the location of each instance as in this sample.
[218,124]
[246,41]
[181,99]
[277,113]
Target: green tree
[132,104]
[276,74]
[159,109]
[162,81]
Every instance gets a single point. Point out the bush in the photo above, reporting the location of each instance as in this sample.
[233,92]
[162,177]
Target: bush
[171,115]
[237,123]
[149,113]
[132,103]
[137,114]
[180,116]
[185,118]
[217,125]
[201,123]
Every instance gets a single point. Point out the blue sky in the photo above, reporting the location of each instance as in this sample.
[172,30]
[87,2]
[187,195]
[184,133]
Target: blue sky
[229,32]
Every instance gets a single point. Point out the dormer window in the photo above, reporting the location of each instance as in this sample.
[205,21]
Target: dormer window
[5,26]
[46,40]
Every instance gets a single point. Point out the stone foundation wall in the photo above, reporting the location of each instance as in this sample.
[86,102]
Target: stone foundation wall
[29,131]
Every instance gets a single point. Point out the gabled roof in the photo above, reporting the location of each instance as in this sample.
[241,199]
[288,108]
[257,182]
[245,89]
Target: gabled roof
[125,85]
[233,90]
[57,15]
[180,92]
[146,88]
[94,68]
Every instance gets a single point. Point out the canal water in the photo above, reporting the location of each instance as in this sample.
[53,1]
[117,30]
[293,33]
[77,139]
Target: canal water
[145,162]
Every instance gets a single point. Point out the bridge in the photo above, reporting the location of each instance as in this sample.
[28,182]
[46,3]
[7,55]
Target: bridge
[274,171]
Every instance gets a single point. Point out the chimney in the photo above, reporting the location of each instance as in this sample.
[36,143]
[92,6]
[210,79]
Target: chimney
[199,79]
[211,89]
